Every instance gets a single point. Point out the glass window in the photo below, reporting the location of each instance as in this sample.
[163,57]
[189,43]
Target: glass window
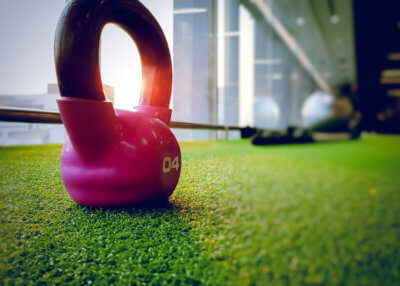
[192,99]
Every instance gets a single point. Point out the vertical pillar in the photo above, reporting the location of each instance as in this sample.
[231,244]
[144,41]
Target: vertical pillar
[221,59]
[246,70]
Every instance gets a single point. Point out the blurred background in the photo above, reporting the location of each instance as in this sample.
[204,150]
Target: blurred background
[259,63]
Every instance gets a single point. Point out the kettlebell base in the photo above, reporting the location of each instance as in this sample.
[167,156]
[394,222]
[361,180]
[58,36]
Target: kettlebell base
[114,198]
[142,166]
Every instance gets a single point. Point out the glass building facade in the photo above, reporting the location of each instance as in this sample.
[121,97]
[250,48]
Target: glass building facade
[232,68]
[194,98]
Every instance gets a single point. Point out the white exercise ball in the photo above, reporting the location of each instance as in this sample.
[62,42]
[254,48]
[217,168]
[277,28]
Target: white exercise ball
[267,112]
[318,106]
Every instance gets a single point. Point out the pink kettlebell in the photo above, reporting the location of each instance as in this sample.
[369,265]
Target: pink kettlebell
[114,157]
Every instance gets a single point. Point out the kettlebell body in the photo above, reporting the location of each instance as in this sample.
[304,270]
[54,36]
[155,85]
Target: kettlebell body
[114,157]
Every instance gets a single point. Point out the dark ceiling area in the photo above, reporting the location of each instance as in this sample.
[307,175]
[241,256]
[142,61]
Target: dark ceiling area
[377,38]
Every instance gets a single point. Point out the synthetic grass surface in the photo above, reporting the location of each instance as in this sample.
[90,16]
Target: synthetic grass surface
[307,214]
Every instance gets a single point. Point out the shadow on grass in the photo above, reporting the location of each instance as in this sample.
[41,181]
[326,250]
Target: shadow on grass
[161,203]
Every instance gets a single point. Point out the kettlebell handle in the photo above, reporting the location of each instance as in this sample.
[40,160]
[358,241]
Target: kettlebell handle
[77,49]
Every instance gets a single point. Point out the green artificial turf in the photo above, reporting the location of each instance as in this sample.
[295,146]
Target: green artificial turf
[325,213]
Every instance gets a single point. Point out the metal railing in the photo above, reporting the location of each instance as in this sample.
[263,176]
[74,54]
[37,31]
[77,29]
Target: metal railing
[26,115]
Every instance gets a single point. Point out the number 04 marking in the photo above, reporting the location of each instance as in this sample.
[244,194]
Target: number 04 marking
[169,164]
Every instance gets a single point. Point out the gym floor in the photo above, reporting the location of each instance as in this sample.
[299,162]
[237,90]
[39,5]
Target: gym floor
[325,213]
